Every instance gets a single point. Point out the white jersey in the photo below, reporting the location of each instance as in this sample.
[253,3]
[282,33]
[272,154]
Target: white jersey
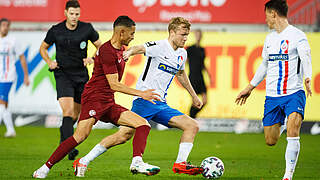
[9,52]
[163,62]
[286,58]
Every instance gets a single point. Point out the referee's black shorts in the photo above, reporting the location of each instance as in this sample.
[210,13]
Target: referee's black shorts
[69,86]
[198,85]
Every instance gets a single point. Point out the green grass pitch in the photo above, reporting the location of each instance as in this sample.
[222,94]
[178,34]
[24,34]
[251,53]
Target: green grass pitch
[245,156]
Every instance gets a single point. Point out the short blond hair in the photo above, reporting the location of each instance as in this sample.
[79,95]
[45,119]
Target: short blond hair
[176,22]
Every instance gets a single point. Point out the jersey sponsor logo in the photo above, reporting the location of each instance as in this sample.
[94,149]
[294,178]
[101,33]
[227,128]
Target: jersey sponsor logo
[284,46]
[144,4]
[22,121]
[167,69]
[119,60]
[166,57]
[92,112]
[83,45]
[278,57]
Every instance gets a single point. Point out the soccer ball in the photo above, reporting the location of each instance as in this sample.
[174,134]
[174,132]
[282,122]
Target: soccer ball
[213,168]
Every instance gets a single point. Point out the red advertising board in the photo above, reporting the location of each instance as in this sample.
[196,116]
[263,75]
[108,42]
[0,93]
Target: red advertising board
[32,10]
[202,11]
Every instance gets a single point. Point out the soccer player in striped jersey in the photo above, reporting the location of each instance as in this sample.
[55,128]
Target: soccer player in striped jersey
[9,49]
[286,59]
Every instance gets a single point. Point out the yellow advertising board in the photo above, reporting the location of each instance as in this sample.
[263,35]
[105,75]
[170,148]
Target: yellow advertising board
[232,59]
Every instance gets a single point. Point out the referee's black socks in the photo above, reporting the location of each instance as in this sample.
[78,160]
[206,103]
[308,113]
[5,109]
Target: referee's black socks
[66,129]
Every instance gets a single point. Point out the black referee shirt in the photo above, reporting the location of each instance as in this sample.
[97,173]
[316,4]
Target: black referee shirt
[196,57]
[71,46]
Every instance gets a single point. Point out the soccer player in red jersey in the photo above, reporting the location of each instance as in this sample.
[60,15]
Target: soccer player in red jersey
[97,102]
[171,55]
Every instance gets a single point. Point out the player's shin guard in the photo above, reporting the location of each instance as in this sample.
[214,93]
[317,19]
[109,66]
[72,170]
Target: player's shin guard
[140,140]
[64,148]
[292,154]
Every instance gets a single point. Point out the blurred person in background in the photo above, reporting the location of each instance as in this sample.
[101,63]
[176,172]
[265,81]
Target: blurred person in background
[196,57]
[71,39]
[9,49]
[286,59]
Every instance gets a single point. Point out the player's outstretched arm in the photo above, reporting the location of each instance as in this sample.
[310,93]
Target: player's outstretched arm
[139,49]
[244,94]
[115,85]
[258,77]
[305,56]
[185,82]
[44,54]
[25,69]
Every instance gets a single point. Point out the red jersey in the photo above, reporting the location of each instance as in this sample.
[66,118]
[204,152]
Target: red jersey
[109,60]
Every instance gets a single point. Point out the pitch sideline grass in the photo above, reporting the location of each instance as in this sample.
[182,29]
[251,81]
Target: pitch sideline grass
[245,156]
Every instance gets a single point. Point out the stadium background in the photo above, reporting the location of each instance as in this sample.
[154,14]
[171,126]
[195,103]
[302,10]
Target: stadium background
[234,33]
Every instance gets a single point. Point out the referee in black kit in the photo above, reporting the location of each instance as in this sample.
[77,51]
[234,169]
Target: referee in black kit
[196,57]
[71,39]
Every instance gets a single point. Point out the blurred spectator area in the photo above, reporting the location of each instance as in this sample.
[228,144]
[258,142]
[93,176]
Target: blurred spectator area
[304,12]
[229,17]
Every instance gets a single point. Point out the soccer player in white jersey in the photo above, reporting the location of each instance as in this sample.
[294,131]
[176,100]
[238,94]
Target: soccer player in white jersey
[286,59]
[9,49]
[165,60]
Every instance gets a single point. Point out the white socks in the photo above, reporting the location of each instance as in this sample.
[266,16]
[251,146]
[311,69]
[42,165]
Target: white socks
[292,154]
[7,119]
[136,160]
[94,153]
[184,151]
[44,169]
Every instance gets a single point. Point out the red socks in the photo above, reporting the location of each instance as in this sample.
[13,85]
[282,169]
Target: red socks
[140,140]
[64,148]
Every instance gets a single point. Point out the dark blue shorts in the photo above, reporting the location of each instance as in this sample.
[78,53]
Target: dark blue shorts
[276,109]
[4,90]
[159,112]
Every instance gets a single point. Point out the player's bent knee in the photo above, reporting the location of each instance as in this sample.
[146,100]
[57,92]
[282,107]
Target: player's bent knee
[192,126]
[271,141]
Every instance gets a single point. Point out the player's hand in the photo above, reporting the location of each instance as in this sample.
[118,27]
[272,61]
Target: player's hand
[243,95]
[53,65]
[26,81]
[87,61]
[126,55]
[149,95]
[307,83]
[196,102]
